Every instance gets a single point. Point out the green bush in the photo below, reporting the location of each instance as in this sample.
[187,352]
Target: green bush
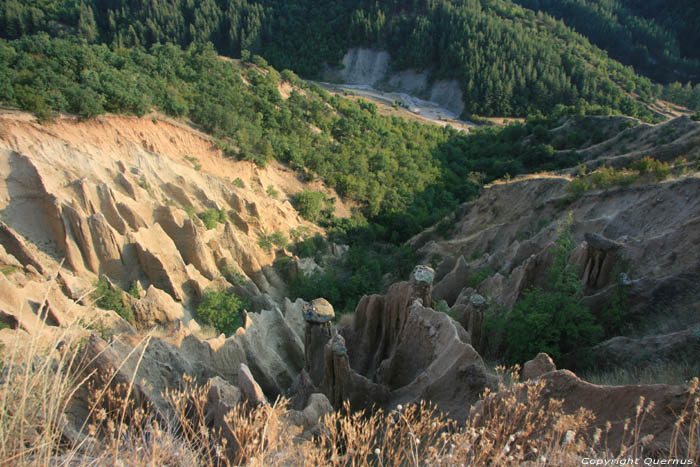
[442,307]
[313,247]
[233,276]
[190,211]
[553,319]
[108,298]
[238,182]
[478,277]
[212,217]
[134,290]
[221,310]
[603,178]
[659,169]
[272,192]
[265,242]
[279,239]
[309,204]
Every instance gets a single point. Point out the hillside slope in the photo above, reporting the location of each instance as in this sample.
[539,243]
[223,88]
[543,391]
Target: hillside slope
[637,235]
[508,60]
[119,196]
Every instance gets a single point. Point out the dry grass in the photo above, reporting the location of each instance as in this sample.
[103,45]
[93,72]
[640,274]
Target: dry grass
[517,424]
[678,373]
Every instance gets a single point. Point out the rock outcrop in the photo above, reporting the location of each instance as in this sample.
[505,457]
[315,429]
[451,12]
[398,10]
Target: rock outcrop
[658,406]
[397,351]
[538,366]
[113,197]
[636,246]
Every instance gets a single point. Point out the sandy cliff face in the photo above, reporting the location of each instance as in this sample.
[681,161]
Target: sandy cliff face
[118,196]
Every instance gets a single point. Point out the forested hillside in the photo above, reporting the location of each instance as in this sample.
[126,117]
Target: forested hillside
[509,61]
[660,39]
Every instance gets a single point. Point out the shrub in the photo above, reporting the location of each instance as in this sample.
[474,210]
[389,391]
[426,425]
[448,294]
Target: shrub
[212,217]
[578,186]
[310,204]
[134,290]
[313,247]
[659,169]
[143,183]
[279,239]
[233,276]
[190,211]
[265,242]
[272,192]
[478,277]
[553,319]
[195,163]
[221,310]
[283,265]
[8,269]
[109,298]
[238,183]
[442,307]
[444,227]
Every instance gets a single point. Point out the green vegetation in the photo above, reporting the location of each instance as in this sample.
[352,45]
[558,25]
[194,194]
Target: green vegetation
[659,39]
[647,165]
[276,238]
[190,210]
[279,239]
[109,298]
[213,217]
[310,247]
[143,183]
[313,206]
[359,272]
[233,276]
[508,60]
[272,192]
[195,163]
[478,277]
[8,269]
[614,315]
[404,175]
[553,319]
[134,290]
[607,177]
[441,306]
[221,310]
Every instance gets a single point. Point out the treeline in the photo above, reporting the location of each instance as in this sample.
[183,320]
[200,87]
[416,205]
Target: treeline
[509,61]
[659,39]
[685,95]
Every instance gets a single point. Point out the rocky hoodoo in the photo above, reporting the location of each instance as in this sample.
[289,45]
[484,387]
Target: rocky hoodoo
[261,359]
[642,238]
[396,351]
[319,330]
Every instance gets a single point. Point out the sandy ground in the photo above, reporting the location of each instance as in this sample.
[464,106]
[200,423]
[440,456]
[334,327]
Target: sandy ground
[410,106]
